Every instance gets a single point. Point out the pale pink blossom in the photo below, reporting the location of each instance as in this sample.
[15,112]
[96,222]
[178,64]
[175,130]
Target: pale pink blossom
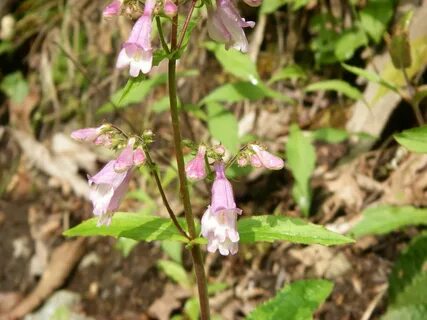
[170,9]
[138,157]
[125,159]
[253,3]
[137,52]
[225,25]
[93,135]
[263,158]
[107,189]
[219,220]
[112,9]
[195,168]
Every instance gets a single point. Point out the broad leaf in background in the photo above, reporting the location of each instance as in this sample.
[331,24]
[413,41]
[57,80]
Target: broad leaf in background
[136,89]
[130,225]
[384,219]
[301,158]
[15,87]
[271,228]
[125,245]
[297,301]
[270,6]
[173,249]
[330,135]
[414,139]
[223,126]
[348,42]
[235,92]
[293,72]
[175,271]
[235,62]
[412,312]
[339,86]
[375,17]
[407,283]
[369,75]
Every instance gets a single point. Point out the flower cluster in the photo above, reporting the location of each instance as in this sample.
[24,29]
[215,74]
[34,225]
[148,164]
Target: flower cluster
[110,184]
[225,25]
[219,219]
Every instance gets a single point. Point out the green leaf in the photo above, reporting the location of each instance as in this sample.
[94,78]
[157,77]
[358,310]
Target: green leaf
[270,6]
[135,90]
[125,245]
[215,288]
[301,158]
[412,312]
[338,86]
[348,42]
[130,225]
[175,271]
[414,139]
[413,294]
[192,309]
[384,219]
[297,301]
[292,71]
[173,249]
[330,135]
[409,264]
[270,228]
[235,92]
[15,87]
[369,75]
[375,17]
[235,62]
[223,126]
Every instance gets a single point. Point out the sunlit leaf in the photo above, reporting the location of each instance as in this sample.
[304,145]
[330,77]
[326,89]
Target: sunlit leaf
[301,158]
[336,85]
[330,135]
[414,139]
[297,301]
[130,225]
[235,62]
[385,219]
[271,228]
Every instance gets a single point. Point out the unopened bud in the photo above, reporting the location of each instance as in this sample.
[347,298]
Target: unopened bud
[170,9]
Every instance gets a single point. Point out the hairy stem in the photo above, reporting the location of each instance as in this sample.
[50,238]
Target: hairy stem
[412,92]
[183,184]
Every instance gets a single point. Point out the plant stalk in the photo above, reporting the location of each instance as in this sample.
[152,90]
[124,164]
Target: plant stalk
[183,184]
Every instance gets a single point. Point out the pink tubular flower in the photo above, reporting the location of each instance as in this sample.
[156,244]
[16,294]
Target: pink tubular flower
[195,169]
[253,3]
[137,52]
[225,25]
[170,9]
[107,189]
[219,220]
[113,9]
[93,135]
[265,159]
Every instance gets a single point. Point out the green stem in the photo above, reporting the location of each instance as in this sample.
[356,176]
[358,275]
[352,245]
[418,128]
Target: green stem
[412,92]
[183,184]
[155,174]
[161,35]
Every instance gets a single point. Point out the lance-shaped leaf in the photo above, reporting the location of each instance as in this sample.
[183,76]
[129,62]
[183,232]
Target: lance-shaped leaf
[270,228]
[297,301]
[130,225]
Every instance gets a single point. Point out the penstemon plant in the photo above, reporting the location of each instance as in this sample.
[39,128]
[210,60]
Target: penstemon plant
[220,229]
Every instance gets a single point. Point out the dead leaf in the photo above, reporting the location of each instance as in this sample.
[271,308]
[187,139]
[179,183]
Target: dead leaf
[62,261]
[169,301]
